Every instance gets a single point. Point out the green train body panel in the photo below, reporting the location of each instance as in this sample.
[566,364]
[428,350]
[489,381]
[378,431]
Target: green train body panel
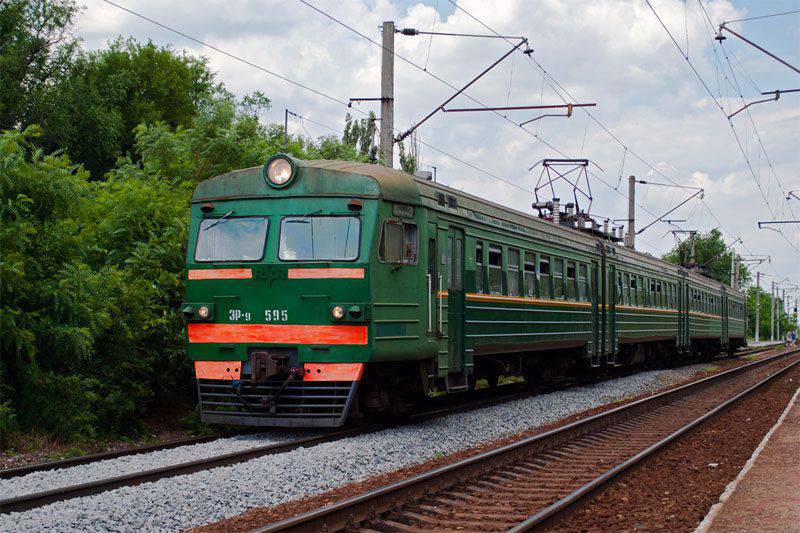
[477,280]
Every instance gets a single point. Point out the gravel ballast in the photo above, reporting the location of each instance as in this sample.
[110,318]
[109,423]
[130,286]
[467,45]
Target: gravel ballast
[191,500]
[129,464]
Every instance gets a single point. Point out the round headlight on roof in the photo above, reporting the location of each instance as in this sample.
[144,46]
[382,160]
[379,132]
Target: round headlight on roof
[279,171]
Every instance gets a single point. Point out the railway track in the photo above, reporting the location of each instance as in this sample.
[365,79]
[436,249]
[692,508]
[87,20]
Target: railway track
[482,398]
[530,483]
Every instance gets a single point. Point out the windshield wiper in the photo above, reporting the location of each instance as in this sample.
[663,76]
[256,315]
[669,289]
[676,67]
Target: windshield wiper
[223,217]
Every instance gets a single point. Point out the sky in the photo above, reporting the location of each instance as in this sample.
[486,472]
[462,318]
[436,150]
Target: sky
[655,118]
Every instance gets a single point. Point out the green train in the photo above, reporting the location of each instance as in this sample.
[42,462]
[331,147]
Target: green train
[317,291]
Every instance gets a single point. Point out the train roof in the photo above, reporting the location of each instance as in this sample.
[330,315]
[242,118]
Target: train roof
[336,177]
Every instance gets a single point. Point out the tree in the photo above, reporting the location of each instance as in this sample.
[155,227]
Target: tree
[711,251]
[35,47]
[91,112]
[361,134]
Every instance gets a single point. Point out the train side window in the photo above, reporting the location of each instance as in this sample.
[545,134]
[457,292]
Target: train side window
[634,291]
[544,276]
[659,295]
[640,291]
[619,288]
[529,274]
[479,267]
[558,278]
[626,287]
[495,269]
[513,272]
[570,290]
[583,282]
[398,243]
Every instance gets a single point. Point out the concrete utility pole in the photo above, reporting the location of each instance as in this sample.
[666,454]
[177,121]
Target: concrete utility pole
[387,95]
[630,238]
[772,314]
[692,258]
[733,267]
[780,312]
[758,307]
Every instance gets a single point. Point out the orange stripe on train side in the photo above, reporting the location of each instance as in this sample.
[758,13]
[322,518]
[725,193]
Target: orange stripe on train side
[333,371]
[326,273]
[277,333]
[221,273]
[218,369]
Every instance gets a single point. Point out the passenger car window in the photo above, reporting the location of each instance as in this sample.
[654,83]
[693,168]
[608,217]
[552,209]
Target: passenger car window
[544,276]
[529,274]
[319,238]
[558,278]
[495,269]
[231,239]
[513,272]
[583,282]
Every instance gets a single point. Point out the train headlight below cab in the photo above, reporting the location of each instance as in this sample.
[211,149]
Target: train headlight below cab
[337,312]
[279,171]
[203,312]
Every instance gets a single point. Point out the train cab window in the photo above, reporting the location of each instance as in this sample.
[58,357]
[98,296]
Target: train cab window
[544,276]
[583,282]
[513,272]
[529,274]
[570,289]
[231,239]
[321,238]
[479,267]
[558,278]
[398,243]
[495,269]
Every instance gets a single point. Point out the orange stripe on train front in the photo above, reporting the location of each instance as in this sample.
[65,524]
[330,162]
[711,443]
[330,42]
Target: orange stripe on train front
[326,273]
[277,334]
[332,371]
[220,273]
[218,369]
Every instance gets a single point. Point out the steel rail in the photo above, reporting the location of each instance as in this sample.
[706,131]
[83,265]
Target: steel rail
[552,513]
[24,470]
[351,511]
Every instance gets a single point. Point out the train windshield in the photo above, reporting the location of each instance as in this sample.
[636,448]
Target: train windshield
[319,238]
[231,239]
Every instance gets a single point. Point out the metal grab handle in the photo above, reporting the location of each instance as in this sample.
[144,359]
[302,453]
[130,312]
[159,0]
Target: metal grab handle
[441,327]
[430,306]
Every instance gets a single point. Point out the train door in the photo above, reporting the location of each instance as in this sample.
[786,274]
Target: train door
[597,325]
[456,377]
[723,308]
[683,317]
[611,311]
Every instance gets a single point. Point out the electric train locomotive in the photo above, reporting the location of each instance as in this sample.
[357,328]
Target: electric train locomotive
[318,291]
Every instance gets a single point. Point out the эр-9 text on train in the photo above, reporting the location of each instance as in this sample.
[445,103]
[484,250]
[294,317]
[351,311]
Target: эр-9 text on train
[319,290]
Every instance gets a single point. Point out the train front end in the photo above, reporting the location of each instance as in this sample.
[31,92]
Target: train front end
[277,297]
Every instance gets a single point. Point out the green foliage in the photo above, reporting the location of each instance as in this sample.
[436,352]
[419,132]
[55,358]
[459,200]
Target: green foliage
[35,46]
[408,161]
[787,322]
[94,211]
[92,110]
[711,251]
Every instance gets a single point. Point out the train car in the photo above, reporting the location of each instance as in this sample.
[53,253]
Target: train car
[318,291]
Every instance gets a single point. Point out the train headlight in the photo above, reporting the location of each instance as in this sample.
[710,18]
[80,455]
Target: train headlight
[337,312]
[203,312]
[279,171]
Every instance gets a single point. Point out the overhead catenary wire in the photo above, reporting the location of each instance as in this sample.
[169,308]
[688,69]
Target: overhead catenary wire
[722,110]
[452,86]
[559,89]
